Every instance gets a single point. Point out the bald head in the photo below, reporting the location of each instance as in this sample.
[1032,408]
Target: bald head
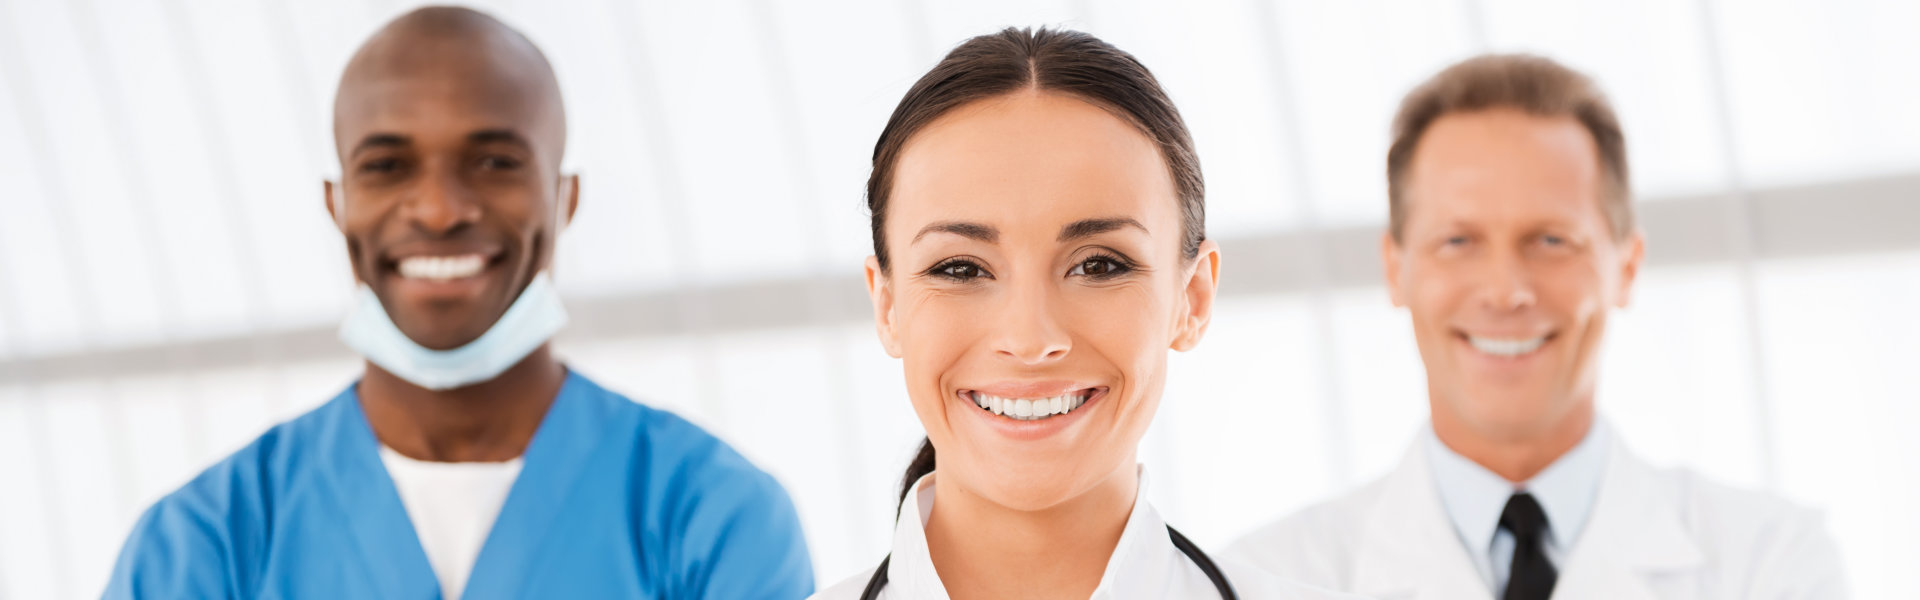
[450,132]
[438,59]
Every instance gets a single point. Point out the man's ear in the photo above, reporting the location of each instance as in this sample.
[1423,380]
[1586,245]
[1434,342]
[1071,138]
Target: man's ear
[1203,285]
[880,290]
[331,194]
[1390,264]
[334,210]
[1634,251]
[571,197]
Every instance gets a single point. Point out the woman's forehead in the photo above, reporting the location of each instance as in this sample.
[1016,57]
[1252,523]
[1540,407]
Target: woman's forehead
[1045,160]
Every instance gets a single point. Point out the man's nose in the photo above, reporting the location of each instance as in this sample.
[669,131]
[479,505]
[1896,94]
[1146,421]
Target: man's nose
[1507,285]
[442,204]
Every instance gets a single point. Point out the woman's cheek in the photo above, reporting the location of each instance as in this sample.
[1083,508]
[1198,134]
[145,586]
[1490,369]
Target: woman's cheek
[934,330]
[1133,318]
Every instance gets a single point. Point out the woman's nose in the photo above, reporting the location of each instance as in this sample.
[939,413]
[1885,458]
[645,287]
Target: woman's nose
[1027,330]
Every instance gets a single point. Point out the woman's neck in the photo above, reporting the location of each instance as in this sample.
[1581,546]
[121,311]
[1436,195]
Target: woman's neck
[1058,552]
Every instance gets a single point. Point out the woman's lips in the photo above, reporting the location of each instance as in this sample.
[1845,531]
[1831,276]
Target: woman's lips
[1036,422]
[1026,409]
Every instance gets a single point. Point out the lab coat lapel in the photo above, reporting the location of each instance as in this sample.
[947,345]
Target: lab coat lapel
[1408,548]
[560,452]
[1635,534]
[370,510]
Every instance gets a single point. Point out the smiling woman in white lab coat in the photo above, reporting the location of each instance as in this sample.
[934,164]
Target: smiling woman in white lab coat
[1039,246]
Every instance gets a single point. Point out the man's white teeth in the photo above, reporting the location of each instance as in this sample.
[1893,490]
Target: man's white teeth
[1498,347]
[442,268]
[1029,409]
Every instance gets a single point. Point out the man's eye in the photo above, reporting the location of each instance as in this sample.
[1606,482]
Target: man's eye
[1458,240]
[380,165]
[498,163]
[1553,240]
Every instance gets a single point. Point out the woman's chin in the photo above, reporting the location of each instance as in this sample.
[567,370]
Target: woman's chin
[1035,496]
[1035,487]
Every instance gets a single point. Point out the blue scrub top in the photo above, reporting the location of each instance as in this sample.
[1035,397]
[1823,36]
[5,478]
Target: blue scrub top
[615,500]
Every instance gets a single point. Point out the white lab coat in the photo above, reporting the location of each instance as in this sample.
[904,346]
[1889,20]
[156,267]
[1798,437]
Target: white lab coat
[1654,534]
[1144,566]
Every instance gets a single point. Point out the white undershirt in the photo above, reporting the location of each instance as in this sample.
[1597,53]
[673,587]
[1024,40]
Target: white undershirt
[452,507]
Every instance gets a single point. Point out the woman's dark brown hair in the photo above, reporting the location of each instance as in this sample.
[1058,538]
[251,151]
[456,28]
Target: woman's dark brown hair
[1049,60]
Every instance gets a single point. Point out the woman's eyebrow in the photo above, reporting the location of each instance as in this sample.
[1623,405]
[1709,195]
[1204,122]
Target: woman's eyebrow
[972,231]
[1092,227]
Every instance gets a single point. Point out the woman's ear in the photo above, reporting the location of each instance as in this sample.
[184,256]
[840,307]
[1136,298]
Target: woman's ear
[880,290]
[1202,285]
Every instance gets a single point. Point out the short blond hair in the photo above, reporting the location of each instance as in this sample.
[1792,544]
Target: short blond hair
[1532,84]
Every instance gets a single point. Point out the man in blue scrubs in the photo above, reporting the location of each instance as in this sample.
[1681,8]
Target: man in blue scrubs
[467,460]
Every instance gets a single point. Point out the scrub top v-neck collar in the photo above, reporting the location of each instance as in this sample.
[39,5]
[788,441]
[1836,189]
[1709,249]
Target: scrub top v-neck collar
[373,511]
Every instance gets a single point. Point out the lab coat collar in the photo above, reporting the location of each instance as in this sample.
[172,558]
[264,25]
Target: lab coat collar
[1138,564]
[1408,548]
[1473,496]
[910,566]
[1636,531]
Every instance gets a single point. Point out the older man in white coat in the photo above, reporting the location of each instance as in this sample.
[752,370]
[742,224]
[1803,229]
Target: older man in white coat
[1511,239]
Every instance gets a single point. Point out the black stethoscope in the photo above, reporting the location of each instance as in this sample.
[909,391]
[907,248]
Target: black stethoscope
[1186,547]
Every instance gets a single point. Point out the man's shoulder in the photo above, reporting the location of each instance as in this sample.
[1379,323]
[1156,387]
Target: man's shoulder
[1748,539]
[1712,498]
[247,475]
[736,522]
[197,536]
[1253,582]
[1313,545]
[1734,520]
[681,456]
[1320,526]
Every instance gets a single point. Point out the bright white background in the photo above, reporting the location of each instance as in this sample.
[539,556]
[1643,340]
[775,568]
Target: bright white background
[160,164]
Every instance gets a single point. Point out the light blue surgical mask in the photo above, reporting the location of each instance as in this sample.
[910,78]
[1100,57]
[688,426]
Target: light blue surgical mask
[532,319]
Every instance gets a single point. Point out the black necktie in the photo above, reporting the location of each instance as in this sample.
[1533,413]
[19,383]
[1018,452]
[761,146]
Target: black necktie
[1531,577]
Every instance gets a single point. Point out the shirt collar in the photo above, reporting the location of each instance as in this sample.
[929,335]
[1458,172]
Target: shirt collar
[1138,561]
[1474,496]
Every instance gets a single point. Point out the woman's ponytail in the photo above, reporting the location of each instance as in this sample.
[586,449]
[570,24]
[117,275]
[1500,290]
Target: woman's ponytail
[922,465]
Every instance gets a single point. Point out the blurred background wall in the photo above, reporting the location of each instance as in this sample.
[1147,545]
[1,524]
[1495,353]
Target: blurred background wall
[170,282]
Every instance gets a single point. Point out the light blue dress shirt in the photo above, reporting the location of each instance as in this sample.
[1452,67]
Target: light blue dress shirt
[1474,498]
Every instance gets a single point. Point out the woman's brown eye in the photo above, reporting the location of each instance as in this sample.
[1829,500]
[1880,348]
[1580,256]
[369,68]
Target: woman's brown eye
[962,271]
[1099,267]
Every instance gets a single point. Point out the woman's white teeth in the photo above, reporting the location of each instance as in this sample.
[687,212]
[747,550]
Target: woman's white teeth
[1498,347]
[1028,409]
[442,268]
